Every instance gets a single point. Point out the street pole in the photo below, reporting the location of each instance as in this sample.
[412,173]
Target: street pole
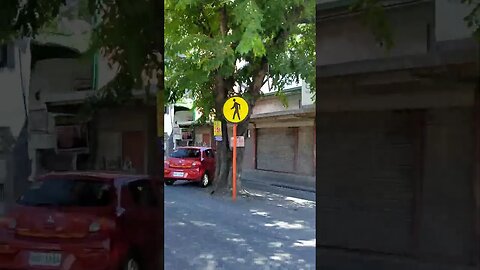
[231,108]
[234,164]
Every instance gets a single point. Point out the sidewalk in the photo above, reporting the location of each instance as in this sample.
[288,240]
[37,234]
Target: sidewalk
[279,183]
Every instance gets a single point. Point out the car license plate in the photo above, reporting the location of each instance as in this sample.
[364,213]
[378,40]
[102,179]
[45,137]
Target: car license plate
[177,174]
[45,259]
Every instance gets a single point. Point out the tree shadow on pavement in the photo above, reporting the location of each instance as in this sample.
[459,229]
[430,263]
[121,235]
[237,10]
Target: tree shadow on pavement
[258,231]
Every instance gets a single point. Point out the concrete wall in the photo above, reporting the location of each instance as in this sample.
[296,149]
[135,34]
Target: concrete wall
[273,104]
[306,146]
[109,147]
[104,73]
[444,206]
[110,125]
[14,161]
[428,96]
[12,110]
[307,95]
[122,119]
[249,154]
[54,79]
[447,198]
[346,39]
[442,229]
[168,120]
[449,23]
[200,130]
[183,116]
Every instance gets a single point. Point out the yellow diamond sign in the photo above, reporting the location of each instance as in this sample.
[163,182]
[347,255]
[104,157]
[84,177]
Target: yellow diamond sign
[235,109]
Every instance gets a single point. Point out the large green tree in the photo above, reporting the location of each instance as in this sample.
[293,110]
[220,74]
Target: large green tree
[206,40]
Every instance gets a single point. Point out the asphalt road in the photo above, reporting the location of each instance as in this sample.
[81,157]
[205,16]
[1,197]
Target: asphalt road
[262,231]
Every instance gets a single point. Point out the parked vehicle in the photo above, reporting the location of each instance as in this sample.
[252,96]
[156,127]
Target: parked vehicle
[195,164]
[84,220]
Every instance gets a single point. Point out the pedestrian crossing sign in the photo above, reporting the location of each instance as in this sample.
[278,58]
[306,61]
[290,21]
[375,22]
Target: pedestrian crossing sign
[235,109]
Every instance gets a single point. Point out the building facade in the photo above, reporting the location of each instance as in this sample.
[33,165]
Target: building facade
[179,120]
[280,141]
[397,168]
[115,138]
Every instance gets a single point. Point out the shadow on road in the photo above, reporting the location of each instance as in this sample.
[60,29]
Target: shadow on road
[261,230]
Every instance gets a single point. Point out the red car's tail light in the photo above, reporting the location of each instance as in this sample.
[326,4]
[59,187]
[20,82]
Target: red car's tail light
[166,163]
[196,164]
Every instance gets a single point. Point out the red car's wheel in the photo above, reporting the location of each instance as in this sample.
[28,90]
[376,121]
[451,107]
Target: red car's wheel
[205,181]
[131,264]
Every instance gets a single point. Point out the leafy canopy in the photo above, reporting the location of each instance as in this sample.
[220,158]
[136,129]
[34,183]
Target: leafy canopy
[233,39]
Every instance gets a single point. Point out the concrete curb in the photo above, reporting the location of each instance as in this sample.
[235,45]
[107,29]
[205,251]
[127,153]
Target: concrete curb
[248,177]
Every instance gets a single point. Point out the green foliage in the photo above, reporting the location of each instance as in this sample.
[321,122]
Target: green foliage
[26,18]
[374,17]
[129,34]
[473,18]
[206,38]
[249,19]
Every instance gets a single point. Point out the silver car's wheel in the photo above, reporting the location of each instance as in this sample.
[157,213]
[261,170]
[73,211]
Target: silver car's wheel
[205,180]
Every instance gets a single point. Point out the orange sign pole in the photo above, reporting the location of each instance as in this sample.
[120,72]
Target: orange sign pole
[234,164]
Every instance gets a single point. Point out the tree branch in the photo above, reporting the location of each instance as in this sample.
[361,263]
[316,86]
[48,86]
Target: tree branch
[223,21]
[205,27]
[259,75]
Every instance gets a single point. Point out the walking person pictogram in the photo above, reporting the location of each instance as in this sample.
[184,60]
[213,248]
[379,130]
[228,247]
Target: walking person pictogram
[236,108]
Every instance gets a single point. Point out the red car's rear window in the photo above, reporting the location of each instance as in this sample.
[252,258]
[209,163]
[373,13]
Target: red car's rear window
[186,153]
[68,192]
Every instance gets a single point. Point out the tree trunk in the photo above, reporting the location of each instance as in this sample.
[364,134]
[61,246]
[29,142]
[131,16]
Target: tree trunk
[223,157]
[223,172]
[241,131]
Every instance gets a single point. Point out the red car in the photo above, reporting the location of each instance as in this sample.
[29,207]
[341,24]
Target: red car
[83,220]
[191,164]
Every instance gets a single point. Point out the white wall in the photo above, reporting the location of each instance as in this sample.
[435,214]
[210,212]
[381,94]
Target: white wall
[168,120]
[104,73]
[55,79]
[183,116]
[307,95]
[273,104]
[12,112]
